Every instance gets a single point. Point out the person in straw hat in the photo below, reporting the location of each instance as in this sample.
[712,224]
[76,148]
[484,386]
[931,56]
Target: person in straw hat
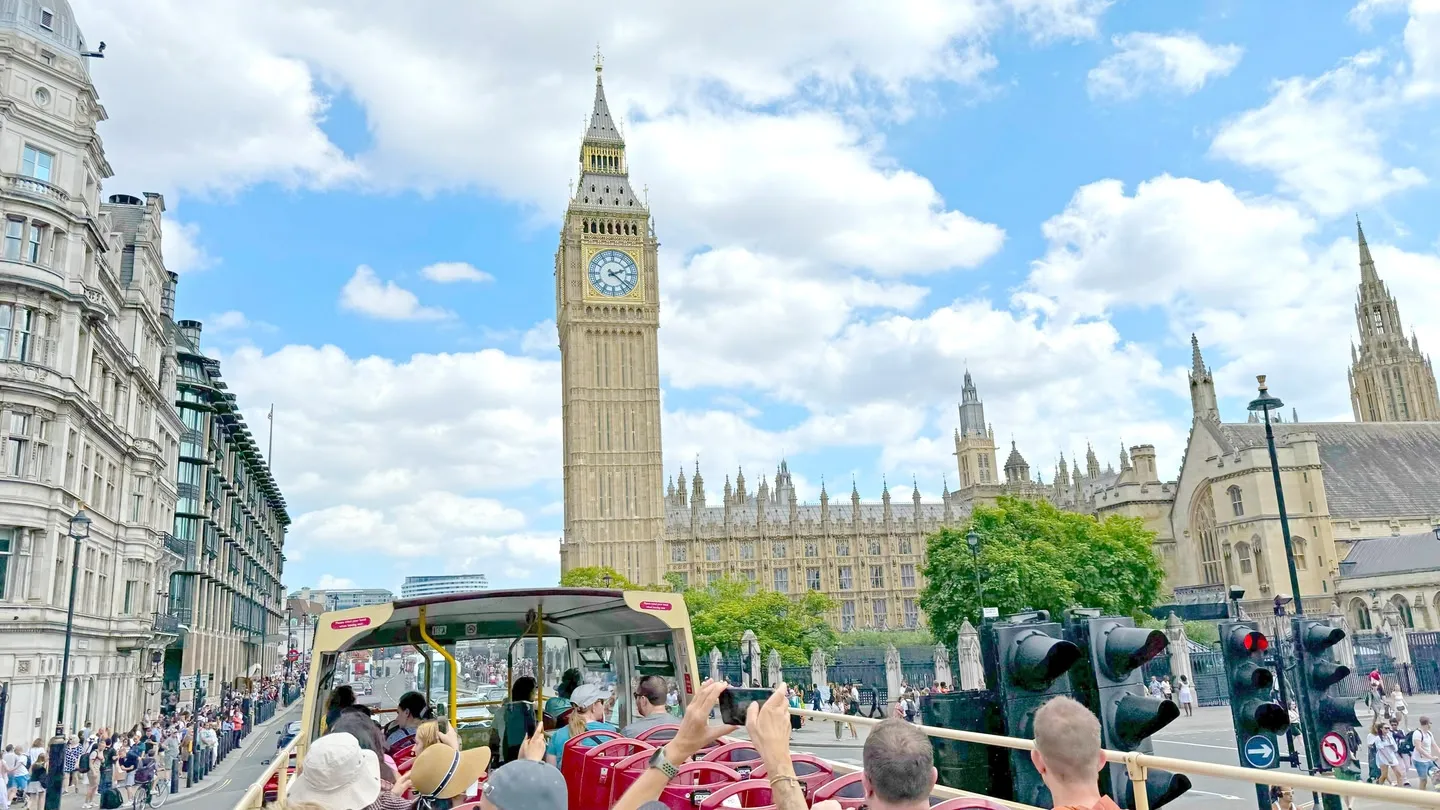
[442,773]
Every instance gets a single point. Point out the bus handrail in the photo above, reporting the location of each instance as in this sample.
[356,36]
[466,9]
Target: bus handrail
[254,796]
[1137,765]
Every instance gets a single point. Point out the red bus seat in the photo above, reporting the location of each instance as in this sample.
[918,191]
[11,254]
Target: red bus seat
[812,772]
[753,793]
[626,772]
[550,722]
[967,803]
[694,782]
[404,748]
[848,790]
[598,769]
[740,756]
[658,734]
[572,766]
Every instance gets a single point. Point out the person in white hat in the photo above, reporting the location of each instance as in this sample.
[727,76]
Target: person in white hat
[591,704]
[340,775]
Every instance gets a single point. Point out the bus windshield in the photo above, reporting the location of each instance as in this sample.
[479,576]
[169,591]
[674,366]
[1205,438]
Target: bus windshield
[465,653]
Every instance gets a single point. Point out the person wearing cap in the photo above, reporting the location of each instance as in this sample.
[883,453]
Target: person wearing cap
[589,715]
[443,773]
[340,775]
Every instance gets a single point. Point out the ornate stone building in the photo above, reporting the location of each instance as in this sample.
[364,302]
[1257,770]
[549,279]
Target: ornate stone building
[1351,488]
[1390,379]
[87,382]
[607,312]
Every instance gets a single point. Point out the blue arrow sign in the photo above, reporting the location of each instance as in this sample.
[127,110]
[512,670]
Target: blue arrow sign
[1260,752]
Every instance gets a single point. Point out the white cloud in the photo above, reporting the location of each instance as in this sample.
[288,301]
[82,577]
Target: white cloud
[366,294]
[450,272]
[180,244]
[1422,43]
[1321,138]
[329,582]
[1142,62]
[235,321]
[1247,274]
[1060,19]
[540,339]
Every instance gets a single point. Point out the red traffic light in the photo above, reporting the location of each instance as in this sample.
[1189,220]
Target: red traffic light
[1256,641]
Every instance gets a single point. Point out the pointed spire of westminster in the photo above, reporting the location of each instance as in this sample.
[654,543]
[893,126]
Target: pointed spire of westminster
[1203,403]
[1367,262]
[1391,380]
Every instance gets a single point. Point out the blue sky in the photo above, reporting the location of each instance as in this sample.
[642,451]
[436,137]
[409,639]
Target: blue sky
[853,208]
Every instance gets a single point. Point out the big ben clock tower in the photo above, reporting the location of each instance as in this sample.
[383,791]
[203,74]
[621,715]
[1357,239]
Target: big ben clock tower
[607,310]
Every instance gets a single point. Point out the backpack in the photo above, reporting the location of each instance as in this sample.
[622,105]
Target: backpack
[111,800]
[1405,744]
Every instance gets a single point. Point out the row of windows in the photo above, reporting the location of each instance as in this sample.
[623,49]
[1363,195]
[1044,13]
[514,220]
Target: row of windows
[879,612]
[609,227]
[679,552]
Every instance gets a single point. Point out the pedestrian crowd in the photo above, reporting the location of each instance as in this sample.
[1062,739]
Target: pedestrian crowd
[108,767]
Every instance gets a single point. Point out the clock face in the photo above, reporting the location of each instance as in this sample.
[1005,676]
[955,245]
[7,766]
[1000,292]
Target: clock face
[613,273]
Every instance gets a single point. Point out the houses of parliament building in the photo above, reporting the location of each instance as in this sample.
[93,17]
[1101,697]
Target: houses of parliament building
[622,512]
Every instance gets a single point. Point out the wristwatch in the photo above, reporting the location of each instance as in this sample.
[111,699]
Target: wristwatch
[661,764]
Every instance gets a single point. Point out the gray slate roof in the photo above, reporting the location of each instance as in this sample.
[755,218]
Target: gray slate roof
[1372,470]
[1392,555]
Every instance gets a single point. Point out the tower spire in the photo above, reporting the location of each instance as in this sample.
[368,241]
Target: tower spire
[1367,262]
[1203,402]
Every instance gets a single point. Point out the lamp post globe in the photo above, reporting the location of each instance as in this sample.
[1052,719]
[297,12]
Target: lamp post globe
[79,530]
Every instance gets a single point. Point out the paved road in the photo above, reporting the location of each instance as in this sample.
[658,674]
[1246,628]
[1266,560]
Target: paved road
[221,791]
[1209,736]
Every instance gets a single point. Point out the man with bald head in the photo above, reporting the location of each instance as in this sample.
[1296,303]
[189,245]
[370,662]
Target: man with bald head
[1067,755]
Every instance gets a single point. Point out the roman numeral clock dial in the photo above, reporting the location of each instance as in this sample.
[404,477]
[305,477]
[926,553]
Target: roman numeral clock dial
[613,273]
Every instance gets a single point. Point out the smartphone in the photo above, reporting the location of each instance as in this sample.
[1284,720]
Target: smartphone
[735,703]
[442,724]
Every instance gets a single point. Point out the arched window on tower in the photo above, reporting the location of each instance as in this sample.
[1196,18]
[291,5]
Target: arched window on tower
[1237,502]
[1359,614]
[1242,553]
[1298,544]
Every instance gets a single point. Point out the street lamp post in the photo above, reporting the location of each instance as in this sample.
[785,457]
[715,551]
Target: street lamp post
[1264,404]
[973,541]
[55,776]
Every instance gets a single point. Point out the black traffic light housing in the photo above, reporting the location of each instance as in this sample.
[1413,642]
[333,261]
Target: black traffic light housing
[1327,708]
[1033,664]
[1111,682]
[1256,717]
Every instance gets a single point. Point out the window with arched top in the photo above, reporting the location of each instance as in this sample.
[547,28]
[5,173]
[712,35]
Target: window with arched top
[1202,526]
[1298,544]
[1237,502]
[1402,605]
[1359,614]
[1242,553]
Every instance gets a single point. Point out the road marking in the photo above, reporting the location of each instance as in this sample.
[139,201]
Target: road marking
[1225,796]
[1197,745]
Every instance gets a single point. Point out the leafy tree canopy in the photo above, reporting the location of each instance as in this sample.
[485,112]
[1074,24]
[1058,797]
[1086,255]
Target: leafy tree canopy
[722,611]
[879,638]
[601,576]
[1036,557]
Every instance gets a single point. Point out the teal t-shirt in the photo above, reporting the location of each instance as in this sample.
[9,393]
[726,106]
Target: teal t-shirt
[556,746]
[556,706]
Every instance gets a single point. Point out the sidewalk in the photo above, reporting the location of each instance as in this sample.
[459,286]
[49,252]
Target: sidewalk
[218,776]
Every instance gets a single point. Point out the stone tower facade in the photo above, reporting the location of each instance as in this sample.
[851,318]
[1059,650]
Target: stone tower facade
[607,312]
[1390,379]
[974,442]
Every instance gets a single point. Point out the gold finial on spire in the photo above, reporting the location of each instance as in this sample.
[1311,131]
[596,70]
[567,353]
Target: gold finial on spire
[599,59]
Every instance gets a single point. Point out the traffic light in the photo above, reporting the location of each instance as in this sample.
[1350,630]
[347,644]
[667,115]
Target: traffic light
[1327,719]
[1118,650]
[1033,663]
[1256,717]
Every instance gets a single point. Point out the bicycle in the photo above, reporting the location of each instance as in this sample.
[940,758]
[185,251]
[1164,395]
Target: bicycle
[152,794]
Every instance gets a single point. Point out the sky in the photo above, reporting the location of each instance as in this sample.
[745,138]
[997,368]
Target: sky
[854,205]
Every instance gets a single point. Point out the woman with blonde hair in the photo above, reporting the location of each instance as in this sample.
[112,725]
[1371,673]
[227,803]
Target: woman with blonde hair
[433,732]
[591,703]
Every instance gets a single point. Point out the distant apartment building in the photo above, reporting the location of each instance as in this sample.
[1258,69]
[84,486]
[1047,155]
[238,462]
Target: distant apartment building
[439,585]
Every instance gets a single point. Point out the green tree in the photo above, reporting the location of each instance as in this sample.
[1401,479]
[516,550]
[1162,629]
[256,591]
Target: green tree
[921,637]
[1036,557]
[601,576]
[722,611]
